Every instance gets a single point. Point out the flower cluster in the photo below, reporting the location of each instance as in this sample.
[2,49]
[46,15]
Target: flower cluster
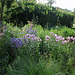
[15,42]
[62,39]
[71,39]
[48,38]
[29,30]
[31,37]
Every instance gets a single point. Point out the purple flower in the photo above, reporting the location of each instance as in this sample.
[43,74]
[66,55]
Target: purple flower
[33,39]
[1,21]
[31,27]
[15,42]
[5,26]
[3,72]
[26,40]
[31,31]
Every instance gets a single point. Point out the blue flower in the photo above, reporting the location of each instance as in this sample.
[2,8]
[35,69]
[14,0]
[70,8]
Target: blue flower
[15,42]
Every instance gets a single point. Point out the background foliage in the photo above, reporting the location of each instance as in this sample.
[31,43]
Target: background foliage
[21,12]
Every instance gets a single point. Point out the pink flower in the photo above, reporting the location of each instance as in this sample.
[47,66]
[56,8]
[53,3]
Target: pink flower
[51,33]
[60,36]
[47,37]
[72,37]
[57,40]
[38,37]
[64,41]
[55,35]
[26,36]
[63,38]
[33,39]
[40,40]
[32,36]
[73,41]
[68,45]
[68,38]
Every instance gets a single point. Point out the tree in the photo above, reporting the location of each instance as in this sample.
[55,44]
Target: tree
[6,3]
[74,9]
[50,2]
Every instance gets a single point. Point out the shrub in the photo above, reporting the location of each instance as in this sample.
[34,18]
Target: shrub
[23,12]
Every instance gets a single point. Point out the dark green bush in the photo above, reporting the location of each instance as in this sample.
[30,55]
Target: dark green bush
[4,55]
[22,12]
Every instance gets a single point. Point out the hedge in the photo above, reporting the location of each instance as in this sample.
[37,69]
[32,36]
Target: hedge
[22,12]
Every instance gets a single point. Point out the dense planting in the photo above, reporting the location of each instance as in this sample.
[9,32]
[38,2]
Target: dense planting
[36,39]
[32,50]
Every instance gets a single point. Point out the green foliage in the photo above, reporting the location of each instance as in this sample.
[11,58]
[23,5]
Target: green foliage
[4,53]
[74,21]
[21,12]
[56,50]
[28,66]
[5,3]
[47,57]
[64,31]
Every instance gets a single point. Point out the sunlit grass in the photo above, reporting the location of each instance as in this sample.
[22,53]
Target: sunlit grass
[73,25]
